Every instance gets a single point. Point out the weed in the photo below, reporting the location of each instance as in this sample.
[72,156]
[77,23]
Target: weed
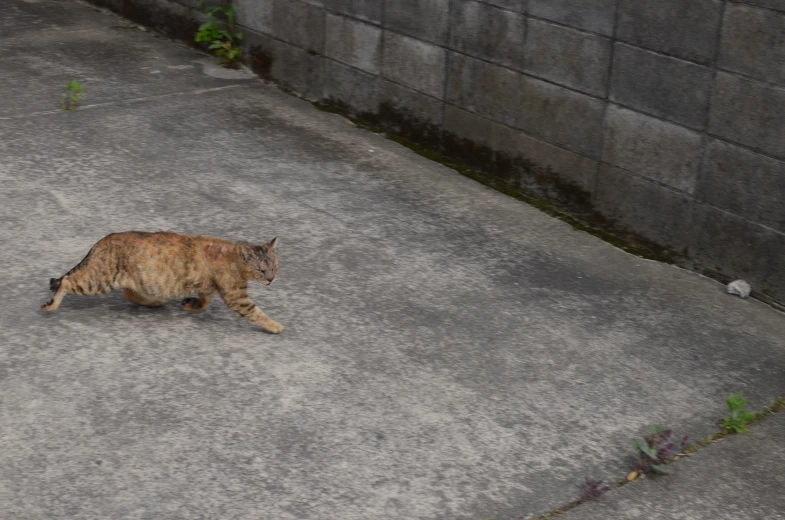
[74,92]
[739,417]
[594,489]
[658,449]
[219,34]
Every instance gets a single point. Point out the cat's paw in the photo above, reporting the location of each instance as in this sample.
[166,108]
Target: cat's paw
[49,306]
[192,304]
[273,327]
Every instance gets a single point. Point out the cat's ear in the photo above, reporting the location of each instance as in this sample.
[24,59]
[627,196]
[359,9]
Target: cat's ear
[273,243]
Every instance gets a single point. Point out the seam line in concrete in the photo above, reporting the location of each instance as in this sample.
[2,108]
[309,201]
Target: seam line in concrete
[576,29]
[125,101]
[609,81]
[322,87]
[37,34]
[701,445]
[524,64]
[446,78]
[382,45]
[500,8]
[770,84]
[756,6]
[745,219]
[694,234]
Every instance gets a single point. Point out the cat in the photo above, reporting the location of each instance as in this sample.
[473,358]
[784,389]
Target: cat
[154,267]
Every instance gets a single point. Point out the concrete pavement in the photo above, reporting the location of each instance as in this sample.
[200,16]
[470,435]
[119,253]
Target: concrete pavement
[450,353]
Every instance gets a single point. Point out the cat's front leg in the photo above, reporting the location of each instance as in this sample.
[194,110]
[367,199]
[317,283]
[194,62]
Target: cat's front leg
[238,301]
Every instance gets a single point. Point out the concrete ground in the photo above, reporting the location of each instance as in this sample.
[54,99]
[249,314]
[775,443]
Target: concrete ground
[450,353]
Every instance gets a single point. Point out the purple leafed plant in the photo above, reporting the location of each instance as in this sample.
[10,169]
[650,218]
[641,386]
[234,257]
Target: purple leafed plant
[593,489]
[659,448]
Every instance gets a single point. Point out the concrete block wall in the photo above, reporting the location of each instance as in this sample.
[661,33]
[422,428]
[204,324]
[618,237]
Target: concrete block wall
[666,116]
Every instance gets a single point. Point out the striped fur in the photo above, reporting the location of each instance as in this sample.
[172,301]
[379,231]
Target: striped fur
[155,267]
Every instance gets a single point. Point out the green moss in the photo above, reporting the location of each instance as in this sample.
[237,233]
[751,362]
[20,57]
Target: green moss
[651,251]
[582,218]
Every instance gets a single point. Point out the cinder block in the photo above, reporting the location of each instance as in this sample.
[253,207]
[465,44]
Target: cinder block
[561,115]
[469,137]
[487,32]
[569,167]
[514,147]
[410,113]
[370,10]
[519,6]
[425,20]
[113,5]
[568,57]
[684,28]
[414,63]
[660,151]
[170,18]
[469,126]
[660,85]
[422,108]
[753,42]
[744,183]
[297,69]
[196,4]
[354,89]
[778,5]
[255,14]
[653,211]
[293,68]
[484,88]
[258,52]
[299,23]
[739,248]
[352,42]
[590,15]
[749,112]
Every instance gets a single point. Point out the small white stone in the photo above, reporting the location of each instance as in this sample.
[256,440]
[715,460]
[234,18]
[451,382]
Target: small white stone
[739,287]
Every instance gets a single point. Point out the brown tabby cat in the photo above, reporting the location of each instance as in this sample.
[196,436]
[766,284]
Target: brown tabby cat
[154,267]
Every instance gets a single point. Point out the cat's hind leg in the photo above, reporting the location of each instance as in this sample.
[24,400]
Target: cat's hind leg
[141,299]
[56,286]
[84,281]
[93,275]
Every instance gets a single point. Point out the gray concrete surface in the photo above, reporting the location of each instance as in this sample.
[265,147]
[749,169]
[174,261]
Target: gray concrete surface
[450,353]
[739,477]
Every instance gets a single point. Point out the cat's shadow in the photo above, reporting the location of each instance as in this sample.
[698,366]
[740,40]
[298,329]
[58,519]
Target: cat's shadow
[114,304]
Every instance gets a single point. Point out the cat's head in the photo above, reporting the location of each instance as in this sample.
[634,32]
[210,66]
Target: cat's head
[262,261]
